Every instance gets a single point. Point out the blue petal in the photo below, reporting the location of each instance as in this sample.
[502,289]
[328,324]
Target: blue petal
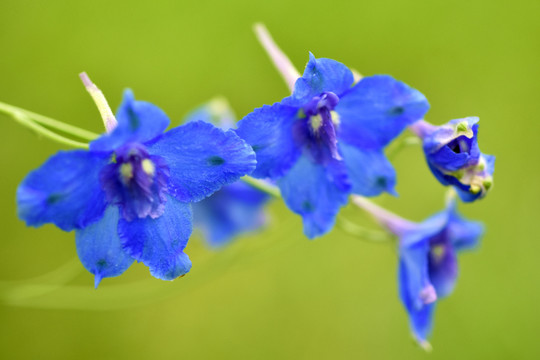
[203,158]
[138,121]
[369,170]
[269,130]
[465,195]
[448,160]
[159,243]
[414,269]
[462,189]
[99,247]
[316,193]
[465,234]
[420,319]
[64,191]
[442,147]
[319,76]
[490,164]
[234,209]
[377,109]
[443,269]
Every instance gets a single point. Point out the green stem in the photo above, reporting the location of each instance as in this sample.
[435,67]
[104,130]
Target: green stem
[345,225]
[402,144]
[24,120]
[363,233]
[262,185]
[52,123]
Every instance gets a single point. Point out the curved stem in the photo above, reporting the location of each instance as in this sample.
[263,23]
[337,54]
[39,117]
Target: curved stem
[24,120]
[363,233]
[402,144]
[47,121]
[282,63]
[394,223]
[421,128]
[101,102]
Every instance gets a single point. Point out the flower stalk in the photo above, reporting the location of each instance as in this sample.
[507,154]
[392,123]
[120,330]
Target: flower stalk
[104,109]
[278,57]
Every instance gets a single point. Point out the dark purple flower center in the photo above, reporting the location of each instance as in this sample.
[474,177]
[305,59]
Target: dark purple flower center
[316,128]
[136,181]
[461,144]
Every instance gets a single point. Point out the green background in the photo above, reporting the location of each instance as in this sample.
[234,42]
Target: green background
[274,294]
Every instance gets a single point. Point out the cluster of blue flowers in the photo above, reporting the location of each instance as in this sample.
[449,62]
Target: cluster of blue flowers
[136,192]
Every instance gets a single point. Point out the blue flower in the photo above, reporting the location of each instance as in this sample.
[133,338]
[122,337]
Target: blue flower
[428,266]
[128,197]
[453,156]
[231,211]
[236,208]
[326,140]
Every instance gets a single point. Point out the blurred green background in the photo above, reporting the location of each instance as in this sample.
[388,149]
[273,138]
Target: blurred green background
[275,294]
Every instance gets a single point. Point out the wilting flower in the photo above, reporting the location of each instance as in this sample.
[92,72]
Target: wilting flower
[235,208]
[428,265]
[326,140]
[453,155]
[129,196]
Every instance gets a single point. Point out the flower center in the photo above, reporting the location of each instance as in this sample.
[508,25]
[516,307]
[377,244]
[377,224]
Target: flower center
[316,129]
[136,181]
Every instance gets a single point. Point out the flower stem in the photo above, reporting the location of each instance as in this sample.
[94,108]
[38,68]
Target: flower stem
[75,131]
[99,99]
[262,185]
[394,223]
[361,232]
[278,57]
[24,120]
[402,144]
[421,128]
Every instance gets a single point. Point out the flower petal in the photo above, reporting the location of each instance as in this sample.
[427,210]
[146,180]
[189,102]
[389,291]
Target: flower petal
[99,247]
[443,269]
[159,243]
[414,271]
[465,234]
[315,192]
[138,121]
[203,158]
[369,170]
[420,319]
[65,191]
[269,130]
[319,76]
[378,109]
[234,209]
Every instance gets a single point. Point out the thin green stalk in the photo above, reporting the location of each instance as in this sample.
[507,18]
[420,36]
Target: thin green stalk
[47,121]
[345,225]
[24,120]
[262,185]
[402,144]
[363,233]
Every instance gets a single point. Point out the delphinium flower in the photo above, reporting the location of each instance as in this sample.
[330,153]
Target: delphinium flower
[326,140]
[453,156]
[128,197]
[236,208]
[428,265]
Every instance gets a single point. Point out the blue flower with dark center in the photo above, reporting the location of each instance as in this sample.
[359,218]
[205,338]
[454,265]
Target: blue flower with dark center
[326,140]
[428,264]
[236,208]
[129,196]
[453,156]
[428,251]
